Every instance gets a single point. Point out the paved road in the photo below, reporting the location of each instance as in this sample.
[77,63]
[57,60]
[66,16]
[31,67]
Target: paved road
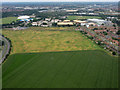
[5,50]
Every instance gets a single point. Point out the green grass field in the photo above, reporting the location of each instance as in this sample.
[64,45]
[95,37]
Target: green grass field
[8,20]
[82,17]
[75,69]
[35,40]
[53,58]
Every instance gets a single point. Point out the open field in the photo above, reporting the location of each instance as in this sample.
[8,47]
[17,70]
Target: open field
[75,69]
[57,57]
[35,40]
[52,28]
[8,20]
[82,17]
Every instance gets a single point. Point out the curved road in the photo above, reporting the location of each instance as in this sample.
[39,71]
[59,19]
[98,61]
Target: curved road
[5,49]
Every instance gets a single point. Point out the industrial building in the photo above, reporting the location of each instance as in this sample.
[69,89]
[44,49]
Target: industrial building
[25,18]
[99,21]
[65,23]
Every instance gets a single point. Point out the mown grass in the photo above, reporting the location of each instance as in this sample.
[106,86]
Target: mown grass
[72,28]
[50,68]
[43,40]
[82,17]
[8,20]
[75,69]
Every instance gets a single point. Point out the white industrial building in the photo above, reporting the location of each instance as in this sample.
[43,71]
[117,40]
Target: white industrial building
[100,21]
[23,17]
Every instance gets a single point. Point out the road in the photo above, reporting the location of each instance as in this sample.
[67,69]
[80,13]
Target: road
[5,49]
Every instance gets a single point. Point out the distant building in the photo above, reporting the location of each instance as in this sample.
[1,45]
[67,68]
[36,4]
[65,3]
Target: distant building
[23,17]
[39,23]
[93,24]
[98,21]
[46,24]
[55,20]
[33,16]
[65,23]
[34,23]
[63,17]
[71,10]
[47,19]
[79,21]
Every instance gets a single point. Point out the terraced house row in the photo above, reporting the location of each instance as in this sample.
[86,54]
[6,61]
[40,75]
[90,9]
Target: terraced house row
[105,36]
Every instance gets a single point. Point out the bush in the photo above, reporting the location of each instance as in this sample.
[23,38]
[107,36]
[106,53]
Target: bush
[85,32]
[90,37]
[105,33]
[110,50]
[95,29]
[67,41]
[54,24]
[114,25]
[99,42]
[29,24]
[113,53]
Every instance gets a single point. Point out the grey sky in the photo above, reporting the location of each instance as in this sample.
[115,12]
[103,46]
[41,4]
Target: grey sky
[60,0]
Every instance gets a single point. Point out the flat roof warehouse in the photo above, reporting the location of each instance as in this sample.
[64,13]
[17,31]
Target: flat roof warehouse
[23,17]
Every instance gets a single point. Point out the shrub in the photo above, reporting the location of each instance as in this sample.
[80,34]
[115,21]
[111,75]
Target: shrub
[85,32]
[95,29]
[90,37]
[67,41]
[113,53]
[99,42]
[105,33]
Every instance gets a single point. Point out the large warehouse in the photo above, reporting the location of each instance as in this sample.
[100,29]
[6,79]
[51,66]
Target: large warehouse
[65,23]
[23,17]
[100,21]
